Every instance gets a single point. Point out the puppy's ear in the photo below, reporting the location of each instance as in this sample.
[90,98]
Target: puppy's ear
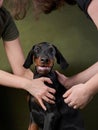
[29,60]
[60,59]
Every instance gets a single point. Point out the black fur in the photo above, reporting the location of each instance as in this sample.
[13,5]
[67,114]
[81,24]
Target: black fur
[58,116]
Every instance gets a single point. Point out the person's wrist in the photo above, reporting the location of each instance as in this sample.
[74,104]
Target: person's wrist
[28,74]
[66,83]
[27,85]
[89,90]
[69,82]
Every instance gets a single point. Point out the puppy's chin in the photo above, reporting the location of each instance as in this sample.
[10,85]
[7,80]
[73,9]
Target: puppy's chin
[43,70]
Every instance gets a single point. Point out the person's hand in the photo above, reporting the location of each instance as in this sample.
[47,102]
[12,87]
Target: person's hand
[78,96]
[62,78]
[42,92]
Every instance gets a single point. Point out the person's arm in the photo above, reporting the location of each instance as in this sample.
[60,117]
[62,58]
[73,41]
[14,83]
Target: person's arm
[81,77]
[35,87]
[23,78]
[82,87]
[93,11]
[16,58]
[80,95]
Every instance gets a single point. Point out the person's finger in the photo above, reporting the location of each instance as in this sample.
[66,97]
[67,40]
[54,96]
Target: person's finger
[71,104]
[57,72]
[75,107]
[67,100]
[51,90]
[49,95]
[60,74]
[67,93]
[66,96]
[42,104]
[44,79]
[48,100]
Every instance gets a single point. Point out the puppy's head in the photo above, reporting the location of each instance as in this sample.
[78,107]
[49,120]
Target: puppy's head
[43,56]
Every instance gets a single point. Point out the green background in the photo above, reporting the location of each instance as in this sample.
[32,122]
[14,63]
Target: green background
[75,36]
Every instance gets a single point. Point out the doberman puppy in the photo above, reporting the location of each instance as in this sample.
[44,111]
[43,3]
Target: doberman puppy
[58,116]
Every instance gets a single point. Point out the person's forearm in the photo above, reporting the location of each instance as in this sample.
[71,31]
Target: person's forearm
[11,80]
[27,74]
[92,85]
[15,59]
[93,11]
[83,76]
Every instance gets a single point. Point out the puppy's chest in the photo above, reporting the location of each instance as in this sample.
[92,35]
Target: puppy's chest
[60,89]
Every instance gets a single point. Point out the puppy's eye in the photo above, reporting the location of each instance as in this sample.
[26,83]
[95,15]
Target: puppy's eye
[37,49]
[51,51]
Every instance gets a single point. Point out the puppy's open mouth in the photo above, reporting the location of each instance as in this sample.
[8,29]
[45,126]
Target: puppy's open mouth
[43,69]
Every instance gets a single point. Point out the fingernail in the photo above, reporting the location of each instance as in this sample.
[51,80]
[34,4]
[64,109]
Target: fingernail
[45,109]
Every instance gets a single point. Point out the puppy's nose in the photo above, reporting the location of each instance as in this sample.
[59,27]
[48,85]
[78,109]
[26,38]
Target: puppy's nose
[44,60]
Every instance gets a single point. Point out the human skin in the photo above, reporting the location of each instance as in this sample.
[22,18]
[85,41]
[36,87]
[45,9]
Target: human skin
[93,11]
[81,87]
[80,95]
[16,59]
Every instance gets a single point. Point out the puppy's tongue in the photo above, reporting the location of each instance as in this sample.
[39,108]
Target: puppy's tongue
[43,70]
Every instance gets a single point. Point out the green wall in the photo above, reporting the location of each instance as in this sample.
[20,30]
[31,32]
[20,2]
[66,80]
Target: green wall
[75,36]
